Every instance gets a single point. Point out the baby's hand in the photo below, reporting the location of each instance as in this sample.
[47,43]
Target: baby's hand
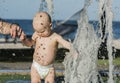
[22,36]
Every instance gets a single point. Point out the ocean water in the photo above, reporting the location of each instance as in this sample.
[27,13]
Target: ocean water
[26,25]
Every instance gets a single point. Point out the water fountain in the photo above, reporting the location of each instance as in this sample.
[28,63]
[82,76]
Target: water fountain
[47,5]
[83,69]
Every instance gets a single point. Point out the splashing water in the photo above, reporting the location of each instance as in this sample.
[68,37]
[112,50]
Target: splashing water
[50,7]
[83,68]
[47,5]
[76,15]
[106,12]
[109,17]
[43,6]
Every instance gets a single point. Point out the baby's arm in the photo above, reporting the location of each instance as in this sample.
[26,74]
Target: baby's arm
[63,42]
[29,42]
[67,45]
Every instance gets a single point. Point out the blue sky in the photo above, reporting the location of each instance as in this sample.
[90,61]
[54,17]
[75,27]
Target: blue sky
[26,9]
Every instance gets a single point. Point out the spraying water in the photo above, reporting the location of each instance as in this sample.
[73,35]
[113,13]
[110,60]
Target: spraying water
[47,5]
[106,29]
[50,7]
[109,17]
[83,68]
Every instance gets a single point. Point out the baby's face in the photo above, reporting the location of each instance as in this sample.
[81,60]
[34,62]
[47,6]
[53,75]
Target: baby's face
[41,24]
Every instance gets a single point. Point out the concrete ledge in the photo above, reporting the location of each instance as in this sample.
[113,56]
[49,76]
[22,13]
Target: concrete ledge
[10,44]
[13,46]
[11,72]
[116,43]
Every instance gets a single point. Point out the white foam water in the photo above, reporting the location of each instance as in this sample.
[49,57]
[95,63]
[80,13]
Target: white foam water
[105,7]
[109,17]
[50,7]
[47,5]
[83,68]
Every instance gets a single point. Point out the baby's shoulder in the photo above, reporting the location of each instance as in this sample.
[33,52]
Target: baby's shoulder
[55,34]
[34,36]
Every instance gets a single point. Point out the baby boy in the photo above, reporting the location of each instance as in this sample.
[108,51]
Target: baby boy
[46,43]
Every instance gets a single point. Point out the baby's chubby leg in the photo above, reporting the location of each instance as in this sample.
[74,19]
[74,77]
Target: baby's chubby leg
[51,76]
[35,77]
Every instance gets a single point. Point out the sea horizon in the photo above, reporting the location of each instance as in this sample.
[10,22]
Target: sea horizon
[26,25]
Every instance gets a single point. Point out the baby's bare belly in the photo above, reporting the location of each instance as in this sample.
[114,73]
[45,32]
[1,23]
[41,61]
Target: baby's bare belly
[45,53]
[44,60]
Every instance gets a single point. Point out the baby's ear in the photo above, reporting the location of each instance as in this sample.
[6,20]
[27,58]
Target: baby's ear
[50,24]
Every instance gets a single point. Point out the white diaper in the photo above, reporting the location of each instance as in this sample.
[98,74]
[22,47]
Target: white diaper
[42,70]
